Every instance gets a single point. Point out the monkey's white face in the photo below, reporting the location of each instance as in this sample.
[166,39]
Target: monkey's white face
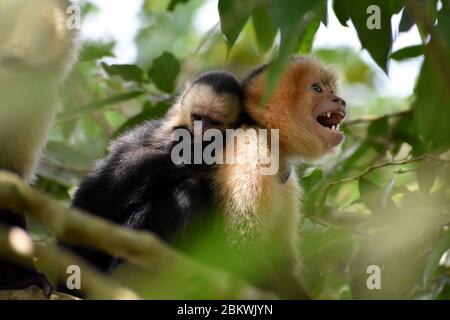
[219,111]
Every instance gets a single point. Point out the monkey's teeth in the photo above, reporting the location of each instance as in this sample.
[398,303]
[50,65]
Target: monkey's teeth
[337,127]
[333,128]
[328,114]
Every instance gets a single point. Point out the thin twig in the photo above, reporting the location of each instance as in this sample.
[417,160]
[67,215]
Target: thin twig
[383,165]
[369,119]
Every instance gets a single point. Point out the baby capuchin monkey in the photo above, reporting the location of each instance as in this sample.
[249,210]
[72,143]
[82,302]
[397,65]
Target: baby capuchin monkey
[140,187]
[37,49]
[263,210]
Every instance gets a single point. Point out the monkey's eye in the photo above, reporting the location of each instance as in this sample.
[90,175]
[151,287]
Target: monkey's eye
[317,88]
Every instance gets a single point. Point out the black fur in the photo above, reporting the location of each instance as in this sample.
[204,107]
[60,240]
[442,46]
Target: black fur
[138,186]
[254,74]
[221,82]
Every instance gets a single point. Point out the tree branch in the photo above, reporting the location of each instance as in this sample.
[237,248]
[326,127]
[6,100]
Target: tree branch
[17,246]
[141,248]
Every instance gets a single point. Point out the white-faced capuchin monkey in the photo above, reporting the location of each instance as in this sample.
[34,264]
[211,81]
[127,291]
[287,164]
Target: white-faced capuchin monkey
[37,49]
[264,209]
[139,186]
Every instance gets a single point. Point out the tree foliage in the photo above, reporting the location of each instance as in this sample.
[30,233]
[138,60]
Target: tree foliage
[383,200]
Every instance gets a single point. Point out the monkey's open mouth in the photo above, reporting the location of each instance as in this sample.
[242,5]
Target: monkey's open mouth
[330,119]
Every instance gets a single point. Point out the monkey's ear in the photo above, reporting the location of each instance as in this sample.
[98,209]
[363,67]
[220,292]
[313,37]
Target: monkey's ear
[254,93]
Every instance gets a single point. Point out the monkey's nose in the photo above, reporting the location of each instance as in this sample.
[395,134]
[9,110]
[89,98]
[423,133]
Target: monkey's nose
[340,101]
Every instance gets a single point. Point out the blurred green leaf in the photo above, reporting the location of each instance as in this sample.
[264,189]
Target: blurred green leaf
[96,105]
[445,293]
[405,130]
[292,18]
[265,29]
[164,71]
[307,36]
[128,72]
[433,261]
[379,130]
[426,175]
[432,109]
[374,197]
[378,41]
[149,112]
[234,14]
[94,51]
[66,154]
[311,180]
[174,3]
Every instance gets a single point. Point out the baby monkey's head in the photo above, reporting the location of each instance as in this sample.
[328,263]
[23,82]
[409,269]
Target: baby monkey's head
[214,99]
[304,107]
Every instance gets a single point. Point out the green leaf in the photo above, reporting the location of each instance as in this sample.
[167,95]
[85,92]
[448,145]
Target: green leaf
[292,17]
[307,36]
[407,53]
[374,197]
[174,3]
[378,41]
[379,130]
[97,105]
[128,72]
[433,261]
[341,11]
[311,180]
[164,71]
[234,14]
[406,22]
[67,154]
[92,51]
[265,29]
[149,112]
[406,130]
[426,175]
[432,109]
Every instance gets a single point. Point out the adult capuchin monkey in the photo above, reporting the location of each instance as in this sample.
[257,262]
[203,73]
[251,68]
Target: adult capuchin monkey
[261,209]
[139,186]
[37,49]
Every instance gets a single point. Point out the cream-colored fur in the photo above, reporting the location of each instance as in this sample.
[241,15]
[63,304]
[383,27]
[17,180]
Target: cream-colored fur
[36,52]
[254,202]
[201,99]
[258,207]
